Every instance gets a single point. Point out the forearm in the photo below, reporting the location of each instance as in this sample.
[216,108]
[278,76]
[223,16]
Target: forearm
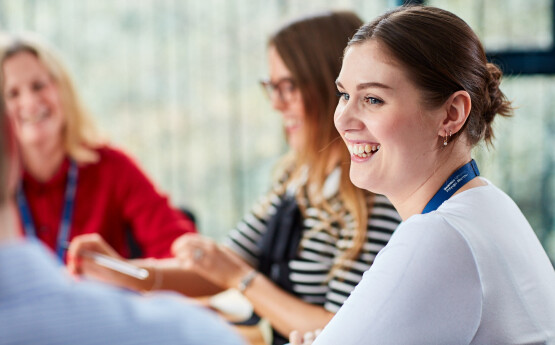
[284,311]
[165,274]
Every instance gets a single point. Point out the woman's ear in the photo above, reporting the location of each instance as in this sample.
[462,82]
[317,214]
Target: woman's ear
[457,108]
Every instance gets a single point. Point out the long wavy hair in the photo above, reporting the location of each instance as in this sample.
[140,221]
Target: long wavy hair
[312,49]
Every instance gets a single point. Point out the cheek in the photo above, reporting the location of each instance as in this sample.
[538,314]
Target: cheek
[54,97]
[386,129]
[299,108]
[11,108]
[399,130]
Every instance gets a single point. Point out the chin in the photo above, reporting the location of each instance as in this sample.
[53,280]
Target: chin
[295,143]
[358,179]
[364,180]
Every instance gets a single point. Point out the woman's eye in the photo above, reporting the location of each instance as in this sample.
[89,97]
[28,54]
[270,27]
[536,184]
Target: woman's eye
[372,100]
[11,94]
[37,86]
[343,95]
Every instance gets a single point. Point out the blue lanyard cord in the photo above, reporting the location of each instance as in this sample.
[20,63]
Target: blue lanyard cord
[458,179]
[67,213]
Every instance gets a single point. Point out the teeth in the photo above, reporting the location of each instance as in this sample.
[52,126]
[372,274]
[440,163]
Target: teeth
[41,114]
[291,122]
[362,150]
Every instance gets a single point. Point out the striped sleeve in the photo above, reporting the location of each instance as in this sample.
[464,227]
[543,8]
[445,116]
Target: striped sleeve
[244,239]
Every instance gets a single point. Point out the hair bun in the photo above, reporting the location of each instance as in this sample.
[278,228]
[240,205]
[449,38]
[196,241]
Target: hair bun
[497,102]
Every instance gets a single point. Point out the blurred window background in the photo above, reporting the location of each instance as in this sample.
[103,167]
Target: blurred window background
[175,84]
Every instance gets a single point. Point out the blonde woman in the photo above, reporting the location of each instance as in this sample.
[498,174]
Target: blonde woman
[41,304]
[72,182]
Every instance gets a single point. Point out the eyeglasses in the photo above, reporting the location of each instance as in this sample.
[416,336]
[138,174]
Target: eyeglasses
[285,89]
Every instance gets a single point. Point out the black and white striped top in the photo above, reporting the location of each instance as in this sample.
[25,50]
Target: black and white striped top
[322,243]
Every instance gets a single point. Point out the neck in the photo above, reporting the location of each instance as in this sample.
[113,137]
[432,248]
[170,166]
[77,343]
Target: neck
[42,165]
[430,183]
[7,222]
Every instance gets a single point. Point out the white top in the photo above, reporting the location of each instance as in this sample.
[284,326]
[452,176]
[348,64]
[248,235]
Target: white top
[39,304]
[472,272]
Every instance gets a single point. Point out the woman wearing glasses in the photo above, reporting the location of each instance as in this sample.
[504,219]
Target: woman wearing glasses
[301,250]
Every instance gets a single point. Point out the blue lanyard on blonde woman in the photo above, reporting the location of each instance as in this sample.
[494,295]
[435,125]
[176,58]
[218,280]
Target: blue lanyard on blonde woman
[67,213]
[458,179]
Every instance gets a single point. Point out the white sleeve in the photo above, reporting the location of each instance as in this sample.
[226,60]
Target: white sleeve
[423,288]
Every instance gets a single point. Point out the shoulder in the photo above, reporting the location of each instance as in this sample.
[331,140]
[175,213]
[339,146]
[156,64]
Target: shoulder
[432,250]
[113,160]
[112,154]
[433,237]
[430,225]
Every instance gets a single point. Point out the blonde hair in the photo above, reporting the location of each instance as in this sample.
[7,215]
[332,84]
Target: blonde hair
[80,136]
[312,49]
[4,154]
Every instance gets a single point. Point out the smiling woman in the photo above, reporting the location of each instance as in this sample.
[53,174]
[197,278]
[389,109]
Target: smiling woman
[33,101]
[465,266]
[72,182]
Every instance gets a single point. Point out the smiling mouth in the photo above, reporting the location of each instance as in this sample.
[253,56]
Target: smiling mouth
[35,117]
[363,150]
[290,123]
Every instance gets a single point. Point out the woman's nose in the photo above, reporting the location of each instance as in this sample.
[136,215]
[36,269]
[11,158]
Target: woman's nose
[343,117]
[27,101]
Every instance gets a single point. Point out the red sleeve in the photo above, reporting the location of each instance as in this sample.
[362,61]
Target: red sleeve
[154,222]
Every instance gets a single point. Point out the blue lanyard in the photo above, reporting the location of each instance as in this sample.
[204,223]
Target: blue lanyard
[458,179]
[69,202]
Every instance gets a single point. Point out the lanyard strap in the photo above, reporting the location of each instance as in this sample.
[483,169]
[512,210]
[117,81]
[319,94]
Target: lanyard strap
[458,179]
[67,213]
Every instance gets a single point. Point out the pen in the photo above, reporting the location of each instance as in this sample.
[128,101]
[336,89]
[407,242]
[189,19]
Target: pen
[116,265]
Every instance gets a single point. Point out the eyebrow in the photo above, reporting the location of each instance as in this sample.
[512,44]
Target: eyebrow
[366,85]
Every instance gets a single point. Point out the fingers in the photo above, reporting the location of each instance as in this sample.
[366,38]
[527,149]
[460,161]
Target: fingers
[205,257]
[194,250]
[295,338]
[308,338]
[183,243]
[88,242]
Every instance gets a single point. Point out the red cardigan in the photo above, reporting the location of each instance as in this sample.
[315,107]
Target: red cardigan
[112,195]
